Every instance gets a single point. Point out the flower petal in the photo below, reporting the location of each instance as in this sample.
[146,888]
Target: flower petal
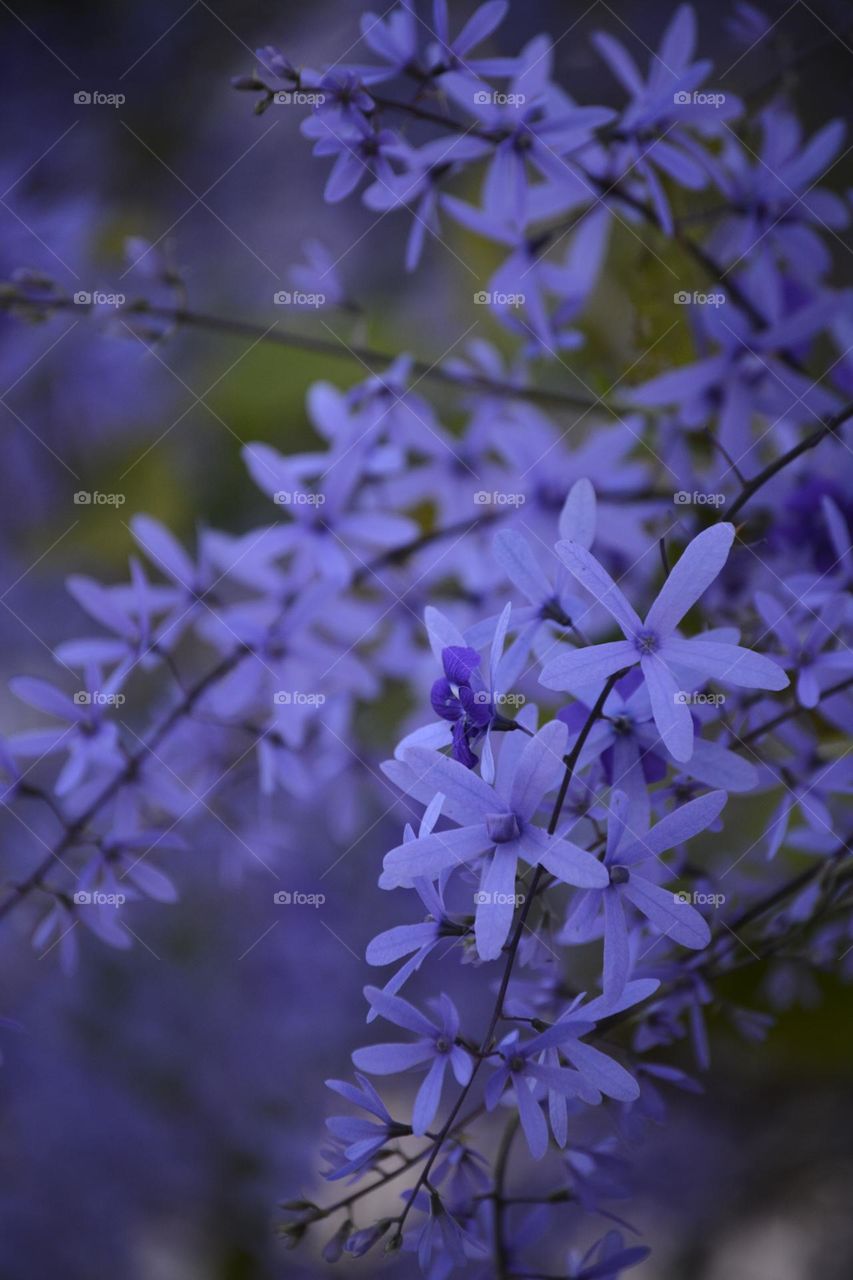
[700,563]
[682,824]
[667,912]
[429,1096]
[515,556]
[729,662]
[429,855]
[598,582]
[539,769]
[564,860]
[397,1010]
[496,903]
[616,957]
[672,716]
[582,668]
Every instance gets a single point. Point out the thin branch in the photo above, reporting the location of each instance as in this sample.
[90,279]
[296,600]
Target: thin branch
[790,712]
[810,441]
[376,361]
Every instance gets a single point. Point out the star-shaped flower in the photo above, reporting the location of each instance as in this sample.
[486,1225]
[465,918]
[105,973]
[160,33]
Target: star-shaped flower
[655,644]
[496,827]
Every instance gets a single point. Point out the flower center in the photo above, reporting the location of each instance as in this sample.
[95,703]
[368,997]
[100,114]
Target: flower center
[619,875]
[502,827]
[646,642]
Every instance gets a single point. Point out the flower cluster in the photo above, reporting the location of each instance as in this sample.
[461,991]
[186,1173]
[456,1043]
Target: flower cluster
[612,613]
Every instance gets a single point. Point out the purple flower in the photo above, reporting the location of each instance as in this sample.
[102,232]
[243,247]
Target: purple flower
[654,643]
[89,737]
[325,532]
[804,642]
[417,188]
[651,134]
[358,1140]
[463,697]
[632,881]
[454,54]
[549,601]
[775,205]
[416,941]
[529,1065]
[747,375]
[437,1044]
[393,36]
[629,746]
[534,125]
[467,706]
[360,151]
[441,1232]
[496,828]
[606,1259]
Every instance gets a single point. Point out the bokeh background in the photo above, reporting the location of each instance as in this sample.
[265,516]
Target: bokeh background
[155,1106]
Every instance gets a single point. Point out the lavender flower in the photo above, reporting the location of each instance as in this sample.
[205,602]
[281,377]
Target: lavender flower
[654,643]
[502,830]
